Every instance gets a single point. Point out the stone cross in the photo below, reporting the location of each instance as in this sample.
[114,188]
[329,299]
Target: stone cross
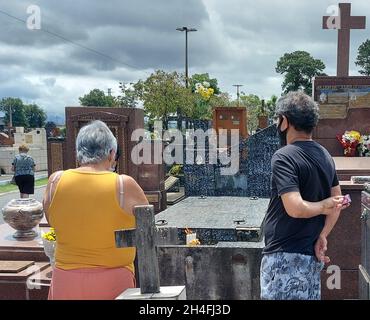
[344,23]
[143,238]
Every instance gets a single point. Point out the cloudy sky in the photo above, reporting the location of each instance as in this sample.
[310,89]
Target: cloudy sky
[238,42]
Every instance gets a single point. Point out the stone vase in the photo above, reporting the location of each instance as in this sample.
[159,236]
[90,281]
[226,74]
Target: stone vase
[49,249]
[23,215]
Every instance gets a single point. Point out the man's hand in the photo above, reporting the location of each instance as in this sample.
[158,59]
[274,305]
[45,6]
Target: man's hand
[332,204]
[321,247]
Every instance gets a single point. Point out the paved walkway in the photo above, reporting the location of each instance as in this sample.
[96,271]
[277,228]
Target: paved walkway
[6,178]
[5,198]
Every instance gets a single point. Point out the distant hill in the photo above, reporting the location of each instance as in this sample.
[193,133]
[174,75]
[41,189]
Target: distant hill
[56,118]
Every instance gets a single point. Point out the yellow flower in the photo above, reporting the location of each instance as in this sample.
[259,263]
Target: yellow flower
[194,243]
[50,236]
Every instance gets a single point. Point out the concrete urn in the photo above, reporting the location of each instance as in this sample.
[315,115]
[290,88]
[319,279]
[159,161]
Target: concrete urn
[23,215]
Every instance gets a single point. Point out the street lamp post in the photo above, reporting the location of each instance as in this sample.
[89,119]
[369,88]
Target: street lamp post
[186,30]
[238,92]
[10,117]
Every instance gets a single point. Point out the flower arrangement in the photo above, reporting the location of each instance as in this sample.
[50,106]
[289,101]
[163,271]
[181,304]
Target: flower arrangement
[364,148]
[191,238]
[49,242]
[50,236]
[350,141]
[204,89]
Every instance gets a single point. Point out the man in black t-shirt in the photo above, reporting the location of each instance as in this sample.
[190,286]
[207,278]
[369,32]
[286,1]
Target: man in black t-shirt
[305,205]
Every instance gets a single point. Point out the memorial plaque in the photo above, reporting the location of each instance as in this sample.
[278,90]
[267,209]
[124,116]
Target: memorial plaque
[344,104]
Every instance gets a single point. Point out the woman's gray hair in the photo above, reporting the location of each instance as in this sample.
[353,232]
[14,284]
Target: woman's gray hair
[94,143]
[300,109]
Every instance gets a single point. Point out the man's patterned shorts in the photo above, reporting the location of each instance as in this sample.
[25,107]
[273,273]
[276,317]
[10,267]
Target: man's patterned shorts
[290,276]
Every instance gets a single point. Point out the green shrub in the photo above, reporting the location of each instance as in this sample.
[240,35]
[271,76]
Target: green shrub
[176,170]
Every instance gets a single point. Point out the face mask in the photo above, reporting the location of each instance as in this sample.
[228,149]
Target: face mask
[282,134]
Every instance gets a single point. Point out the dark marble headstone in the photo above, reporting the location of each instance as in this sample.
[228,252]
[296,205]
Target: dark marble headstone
[253,178]
[261,148]
[202,124]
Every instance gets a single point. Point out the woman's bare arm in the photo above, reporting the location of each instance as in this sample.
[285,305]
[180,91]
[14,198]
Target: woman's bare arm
[133,194]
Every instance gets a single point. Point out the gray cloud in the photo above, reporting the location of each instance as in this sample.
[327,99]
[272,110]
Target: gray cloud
[238,41]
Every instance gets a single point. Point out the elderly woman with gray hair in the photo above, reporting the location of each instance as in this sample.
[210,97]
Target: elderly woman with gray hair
[85,206]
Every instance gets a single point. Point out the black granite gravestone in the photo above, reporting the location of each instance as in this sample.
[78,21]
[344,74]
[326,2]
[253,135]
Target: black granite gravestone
[253,178]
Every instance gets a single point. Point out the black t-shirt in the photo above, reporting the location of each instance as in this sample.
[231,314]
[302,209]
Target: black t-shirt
[303,166]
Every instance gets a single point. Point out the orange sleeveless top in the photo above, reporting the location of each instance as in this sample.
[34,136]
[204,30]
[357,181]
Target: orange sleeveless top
[85,212]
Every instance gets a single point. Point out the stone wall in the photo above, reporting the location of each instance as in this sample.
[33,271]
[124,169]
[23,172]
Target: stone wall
[227,271]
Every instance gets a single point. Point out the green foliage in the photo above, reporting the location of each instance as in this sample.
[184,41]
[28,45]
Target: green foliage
[176,170]
[271,106]
[299,68]
[35,116]
[18,112]
[164,93]
[253,104]
[130,94]
[363,58]
[63,131]
[201,110]
[97,98]
[221,100]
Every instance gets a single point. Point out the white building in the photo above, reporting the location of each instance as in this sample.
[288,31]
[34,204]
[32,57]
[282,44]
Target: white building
[35,140]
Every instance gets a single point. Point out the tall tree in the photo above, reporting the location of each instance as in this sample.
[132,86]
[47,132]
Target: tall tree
[298,69]
[18,114]
[363,58]
[253,104]
[163,93]
[97,98]
[129,94]
[271,105]
[35,116]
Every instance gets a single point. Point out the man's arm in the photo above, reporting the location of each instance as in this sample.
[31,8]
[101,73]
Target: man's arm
[321,245]
[332,219]
[296,207]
